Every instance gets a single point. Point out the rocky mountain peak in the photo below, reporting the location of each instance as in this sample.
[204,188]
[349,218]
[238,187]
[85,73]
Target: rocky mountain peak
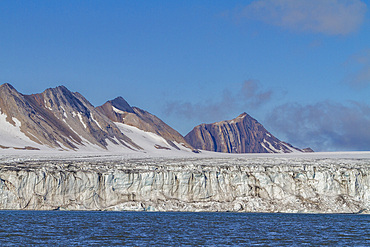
[243,115]
[61,90]
[239,119]
[121,104]
[10,99]
[7,89]
[243,134]
[61,97]
[7,85]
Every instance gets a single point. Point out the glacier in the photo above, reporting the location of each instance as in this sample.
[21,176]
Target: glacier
[245,183]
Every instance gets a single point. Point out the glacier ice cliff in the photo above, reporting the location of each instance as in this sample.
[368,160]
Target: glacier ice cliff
[188,184]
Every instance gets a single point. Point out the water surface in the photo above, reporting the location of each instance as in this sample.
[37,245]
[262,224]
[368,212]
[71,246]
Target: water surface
[74,228]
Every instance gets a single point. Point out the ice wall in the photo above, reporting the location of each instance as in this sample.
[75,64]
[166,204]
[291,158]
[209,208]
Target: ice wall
[240,185]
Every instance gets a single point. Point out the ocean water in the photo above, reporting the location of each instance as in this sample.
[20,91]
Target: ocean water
[76,228]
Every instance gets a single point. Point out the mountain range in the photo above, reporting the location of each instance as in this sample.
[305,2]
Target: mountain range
[58,119]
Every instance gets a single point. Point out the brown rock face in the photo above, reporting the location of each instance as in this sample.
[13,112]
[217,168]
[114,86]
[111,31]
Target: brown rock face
[37,123]
[82,117]
[59,118]
[240,135]
[118,110]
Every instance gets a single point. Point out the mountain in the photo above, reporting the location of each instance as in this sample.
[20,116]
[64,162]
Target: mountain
[59,119]
[243,134]
[120,112]
[56,118]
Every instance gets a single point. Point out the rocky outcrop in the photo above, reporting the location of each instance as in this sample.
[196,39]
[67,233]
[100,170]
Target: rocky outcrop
[238,185]
[240,135]
[118,110]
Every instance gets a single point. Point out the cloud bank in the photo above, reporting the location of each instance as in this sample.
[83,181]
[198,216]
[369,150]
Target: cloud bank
[331,17]
[324,126]
[249,95]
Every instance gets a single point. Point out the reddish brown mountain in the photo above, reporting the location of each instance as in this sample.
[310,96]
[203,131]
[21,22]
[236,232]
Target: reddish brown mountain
[240,135]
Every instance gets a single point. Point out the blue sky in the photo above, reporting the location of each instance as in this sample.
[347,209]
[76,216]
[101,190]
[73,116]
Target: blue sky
[301,68]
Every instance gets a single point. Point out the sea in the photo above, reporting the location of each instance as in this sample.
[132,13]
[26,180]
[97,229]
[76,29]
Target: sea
[96,228]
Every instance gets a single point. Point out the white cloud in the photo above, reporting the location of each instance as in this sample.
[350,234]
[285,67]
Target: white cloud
[323,126]
[250,95]
[332,17]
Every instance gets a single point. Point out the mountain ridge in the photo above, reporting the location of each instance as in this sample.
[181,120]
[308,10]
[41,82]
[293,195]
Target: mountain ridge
[63,120]
[60,119]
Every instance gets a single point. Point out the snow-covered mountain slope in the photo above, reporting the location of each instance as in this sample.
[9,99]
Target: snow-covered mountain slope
[58,119]
[119,111]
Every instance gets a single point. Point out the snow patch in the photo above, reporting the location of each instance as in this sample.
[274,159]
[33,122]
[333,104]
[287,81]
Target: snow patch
[151,143]
[64,112]
[272,148]
[46,106]
[97,123]
[34,137]
[81,120]
[146,140]
[118,110]
[263,145]
[11,136]
[293,150]
[62,147]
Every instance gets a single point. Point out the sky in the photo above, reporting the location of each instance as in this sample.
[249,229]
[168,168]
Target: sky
[300,67]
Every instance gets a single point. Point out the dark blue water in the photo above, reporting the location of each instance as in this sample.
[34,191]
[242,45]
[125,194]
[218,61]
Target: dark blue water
[65,228]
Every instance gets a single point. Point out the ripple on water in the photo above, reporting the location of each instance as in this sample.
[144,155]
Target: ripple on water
[145,228]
